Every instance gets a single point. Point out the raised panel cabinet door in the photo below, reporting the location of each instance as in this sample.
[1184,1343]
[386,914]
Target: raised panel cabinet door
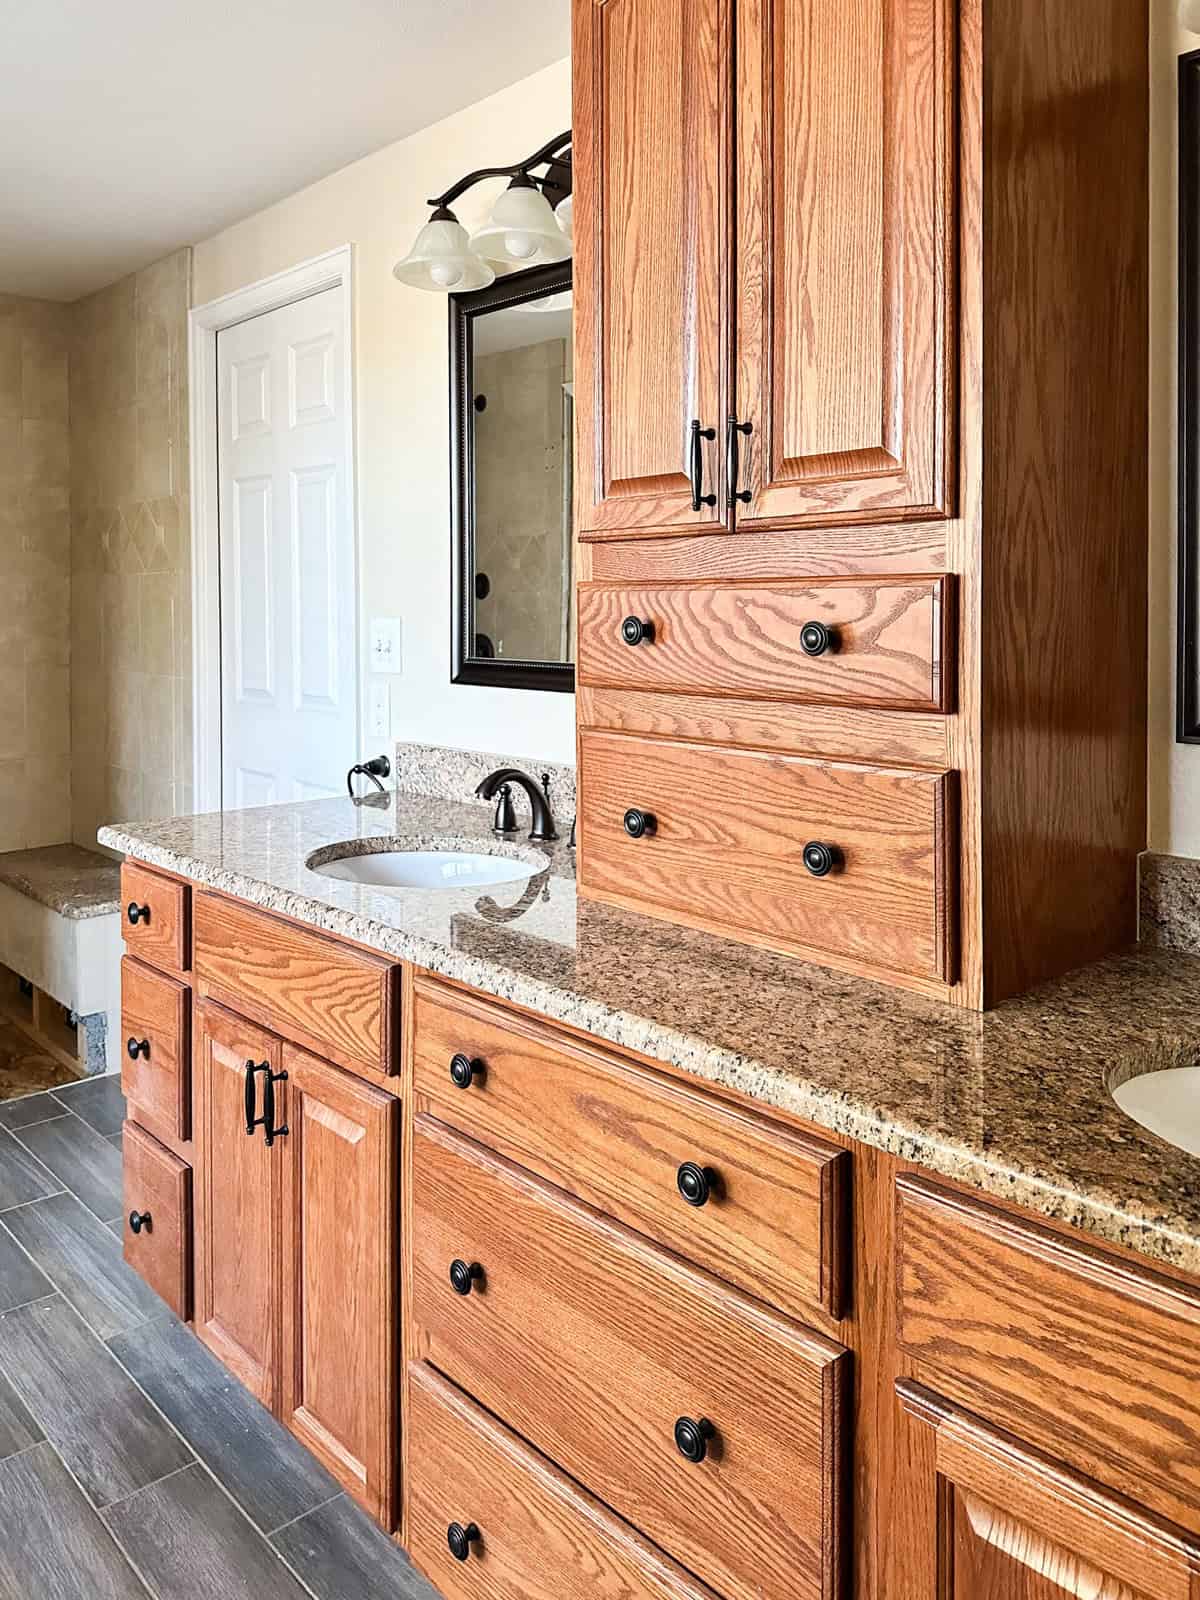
[340,1224]
[998,1520]
[652,81]
[845,231]
[237,1201]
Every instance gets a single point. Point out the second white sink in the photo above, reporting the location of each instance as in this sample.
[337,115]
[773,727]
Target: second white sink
[427,869]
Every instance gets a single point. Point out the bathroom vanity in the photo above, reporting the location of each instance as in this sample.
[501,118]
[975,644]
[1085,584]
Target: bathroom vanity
[594,1255]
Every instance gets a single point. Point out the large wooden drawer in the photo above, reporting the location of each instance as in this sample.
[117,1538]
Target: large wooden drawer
[728,836]
[770,1201]
[1093,1359]
[154,917]
[328,996]
[881,642]
[158,1218]
[156,1050]
[533,1533]
[603,1351]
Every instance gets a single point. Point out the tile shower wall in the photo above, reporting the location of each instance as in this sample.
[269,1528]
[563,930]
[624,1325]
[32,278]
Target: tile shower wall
[35,576]
[130,540]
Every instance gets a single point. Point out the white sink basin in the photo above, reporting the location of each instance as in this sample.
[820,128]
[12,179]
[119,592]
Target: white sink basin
[1166,1102]
[427,869]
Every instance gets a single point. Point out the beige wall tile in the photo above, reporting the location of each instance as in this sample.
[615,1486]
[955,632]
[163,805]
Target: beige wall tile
[44,376]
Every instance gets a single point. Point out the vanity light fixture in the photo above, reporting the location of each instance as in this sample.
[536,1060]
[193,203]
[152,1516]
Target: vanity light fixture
[530,226]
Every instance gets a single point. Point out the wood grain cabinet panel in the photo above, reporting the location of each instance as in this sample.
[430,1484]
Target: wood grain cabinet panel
[158,1194]
[596,1347]
[317,991]
[726,854]
[155,917]
[156,1054]
[238,1192]
[339,1276]
[880,643]
[538,1535]
[846,242]
[619,1137]
[1010,1523]
[652,82]
[1082,1353]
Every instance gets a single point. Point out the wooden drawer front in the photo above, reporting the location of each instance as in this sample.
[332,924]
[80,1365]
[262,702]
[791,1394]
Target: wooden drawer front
[889,647]
[160,905]
[540,1536]
[158,1187]
[617,1136]
[156,1050]
[322,994]
[1092,1359]
[727,851]
[591,1344]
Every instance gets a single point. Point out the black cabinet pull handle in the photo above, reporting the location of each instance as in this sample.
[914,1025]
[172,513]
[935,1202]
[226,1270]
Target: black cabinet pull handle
[461,1539]
[637,630]
[137,1047]
[464,1070]
[692,1436]
[818,639]
[139,1220]
[640,824]
[270,1131]
[733,460]
[252,1069]
[696,468]
[696,1184]
[464,1275]
[822,859]
[137,913]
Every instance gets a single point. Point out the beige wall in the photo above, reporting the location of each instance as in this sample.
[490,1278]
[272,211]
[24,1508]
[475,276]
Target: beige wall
[402,394]
[35,575]
[131,590]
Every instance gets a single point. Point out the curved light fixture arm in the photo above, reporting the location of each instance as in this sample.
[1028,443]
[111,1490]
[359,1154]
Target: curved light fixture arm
[555,155]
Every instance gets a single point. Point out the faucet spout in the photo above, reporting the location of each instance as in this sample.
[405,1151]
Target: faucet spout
[542,820]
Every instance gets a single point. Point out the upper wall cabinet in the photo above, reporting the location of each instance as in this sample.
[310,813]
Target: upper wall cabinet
[825,377]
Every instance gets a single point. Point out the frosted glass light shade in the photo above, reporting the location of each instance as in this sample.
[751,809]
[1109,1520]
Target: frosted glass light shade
[441,259]
[522,231]
[564,211]
[1189,15]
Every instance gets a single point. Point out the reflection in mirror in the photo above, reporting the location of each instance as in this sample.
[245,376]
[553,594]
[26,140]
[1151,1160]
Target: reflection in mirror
[513,405]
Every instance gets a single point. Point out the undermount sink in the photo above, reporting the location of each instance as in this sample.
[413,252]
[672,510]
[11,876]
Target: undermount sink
[402,868]
[1166,1101]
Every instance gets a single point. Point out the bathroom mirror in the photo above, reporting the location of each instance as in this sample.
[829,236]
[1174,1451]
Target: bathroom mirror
[512,425]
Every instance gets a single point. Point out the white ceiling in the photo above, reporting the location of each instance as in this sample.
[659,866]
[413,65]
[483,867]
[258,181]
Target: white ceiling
[130,127]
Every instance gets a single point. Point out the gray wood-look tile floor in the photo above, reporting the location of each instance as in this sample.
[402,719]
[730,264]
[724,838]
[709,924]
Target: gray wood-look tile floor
[131,1464]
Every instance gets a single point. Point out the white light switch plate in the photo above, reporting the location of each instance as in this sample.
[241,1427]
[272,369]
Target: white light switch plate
[379,715]
[385,644]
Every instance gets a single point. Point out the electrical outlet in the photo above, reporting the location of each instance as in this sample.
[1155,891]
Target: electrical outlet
[379,717]
[385,644]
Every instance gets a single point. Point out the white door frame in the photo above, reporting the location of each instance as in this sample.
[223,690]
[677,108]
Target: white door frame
[328,271]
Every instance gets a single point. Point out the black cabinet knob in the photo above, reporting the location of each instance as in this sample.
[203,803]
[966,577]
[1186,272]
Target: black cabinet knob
[463,1070]
[817,639]
[463,1275]
[636,630]
[139,1220]
[691,1437]
[137,913]
[137,1047]
[822,859]
[695,1183]
[461,1539]
[640,824]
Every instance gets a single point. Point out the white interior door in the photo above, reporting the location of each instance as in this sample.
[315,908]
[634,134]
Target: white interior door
[289,698]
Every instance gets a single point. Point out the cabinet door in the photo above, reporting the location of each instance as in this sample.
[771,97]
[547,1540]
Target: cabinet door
[652,81]
[1001,1520]
[846,245]
[237,1202]
[339,1276]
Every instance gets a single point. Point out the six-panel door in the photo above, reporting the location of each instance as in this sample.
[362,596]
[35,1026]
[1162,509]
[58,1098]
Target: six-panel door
[237,1200]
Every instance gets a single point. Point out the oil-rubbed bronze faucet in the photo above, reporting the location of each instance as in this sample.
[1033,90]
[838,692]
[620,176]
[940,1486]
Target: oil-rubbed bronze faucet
[542,829]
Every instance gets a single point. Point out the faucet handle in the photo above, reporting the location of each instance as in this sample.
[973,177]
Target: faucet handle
[505,820]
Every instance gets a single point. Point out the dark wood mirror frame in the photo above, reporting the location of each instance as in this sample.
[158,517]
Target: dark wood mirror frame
[465,666]
[1187,706]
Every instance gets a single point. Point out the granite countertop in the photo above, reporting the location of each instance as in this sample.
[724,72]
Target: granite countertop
[1014,1102]
[75,882]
